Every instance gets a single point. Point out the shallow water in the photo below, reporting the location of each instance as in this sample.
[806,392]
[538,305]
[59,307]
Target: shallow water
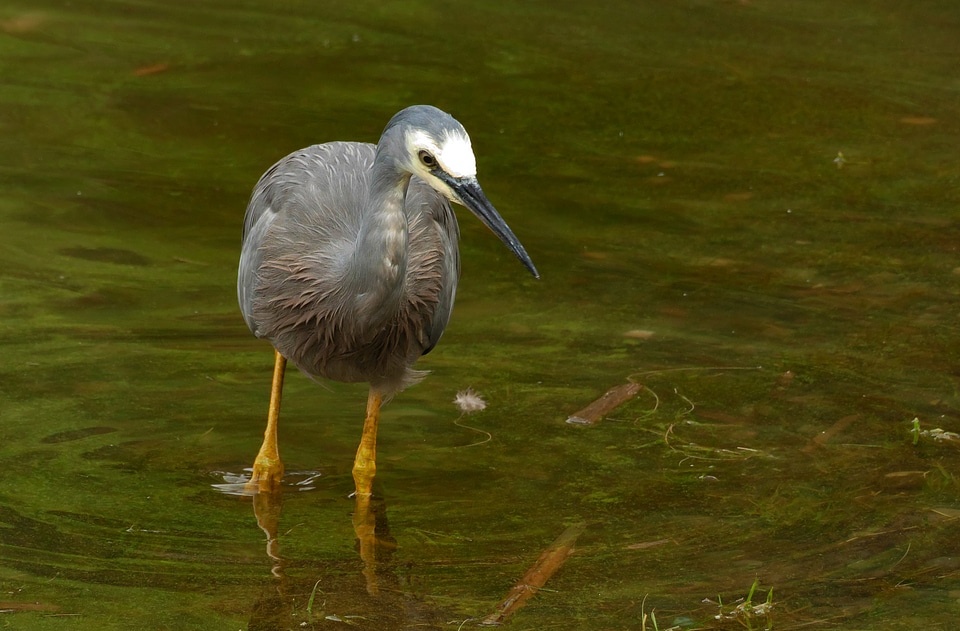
[749,208]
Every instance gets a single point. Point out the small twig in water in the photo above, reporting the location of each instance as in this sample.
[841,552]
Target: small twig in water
[533,581]
[473,429]
[693,368]
[692,405]
[666,437]
[656,400]
[900,560]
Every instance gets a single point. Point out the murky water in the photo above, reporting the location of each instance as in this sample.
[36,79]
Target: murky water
[748,207]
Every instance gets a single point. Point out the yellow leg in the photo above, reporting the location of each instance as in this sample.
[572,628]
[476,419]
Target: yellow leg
[365,464]
[267,468]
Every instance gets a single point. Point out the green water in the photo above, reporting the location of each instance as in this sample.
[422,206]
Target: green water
[673,170]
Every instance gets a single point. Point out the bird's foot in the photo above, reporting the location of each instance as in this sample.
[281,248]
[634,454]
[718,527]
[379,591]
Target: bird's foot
[364,471]
[363,481]
[266,477]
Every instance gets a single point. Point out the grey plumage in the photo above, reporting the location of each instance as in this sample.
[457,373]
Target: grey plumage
[350,262]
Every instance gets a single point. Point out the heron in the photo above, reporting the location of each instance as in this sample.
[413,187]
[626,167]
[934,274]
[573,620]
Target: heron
[350,264]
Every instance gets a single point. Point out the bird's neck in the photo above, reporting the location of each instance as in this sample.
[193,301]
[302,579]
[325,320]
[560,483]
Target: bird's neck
[380,259]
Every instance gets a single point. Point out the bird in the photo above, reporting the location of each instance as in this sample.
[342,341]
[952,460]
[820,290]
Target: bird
[349,264]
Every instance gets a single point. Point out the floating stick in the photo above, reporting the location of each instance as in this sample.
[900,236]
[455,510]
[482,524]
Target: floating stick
[611,400]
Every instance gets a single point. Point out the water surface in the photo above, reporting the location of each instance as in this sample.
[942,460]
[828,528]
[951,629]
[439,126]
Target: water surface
[747,207]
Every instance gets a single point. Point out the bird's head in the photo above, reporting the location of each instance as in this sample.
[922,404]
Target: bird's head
[437,149]
[434,147]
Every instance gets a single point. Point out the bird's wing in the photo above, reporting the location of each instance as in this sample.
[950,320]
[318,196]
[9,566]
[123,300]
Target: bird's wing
[300,203]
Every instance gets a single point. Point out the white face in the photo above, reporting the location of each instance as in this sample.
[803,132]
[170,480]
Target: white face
[456,155]
[453,154]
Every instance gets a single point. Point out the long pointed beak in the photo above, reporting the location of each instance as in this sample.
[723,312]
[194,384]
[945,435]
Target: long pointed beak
[468,190]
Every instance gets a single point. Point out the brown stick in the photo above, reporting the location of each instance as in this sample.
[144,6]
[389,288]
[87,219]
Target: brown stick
[822,438]
[549,562]
[611,400]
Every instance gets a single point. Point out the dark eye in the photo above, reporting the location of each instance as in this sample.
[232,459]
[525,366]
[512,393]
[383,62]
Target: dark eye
[427,159]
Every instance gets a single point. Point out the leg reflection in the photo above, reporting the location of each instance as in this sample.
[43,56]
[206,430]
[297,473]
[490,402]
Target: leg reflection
[267,508]
[373,537]
[271,611]
[308,591]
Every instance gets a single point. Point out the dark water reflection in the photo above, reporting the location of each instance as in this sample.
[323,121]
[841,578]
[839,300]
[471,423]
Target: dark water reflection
[673,171]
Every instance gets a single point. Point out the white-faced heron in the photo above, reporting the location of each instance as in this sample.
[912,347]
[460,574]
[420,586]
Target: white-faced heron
[350,263]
